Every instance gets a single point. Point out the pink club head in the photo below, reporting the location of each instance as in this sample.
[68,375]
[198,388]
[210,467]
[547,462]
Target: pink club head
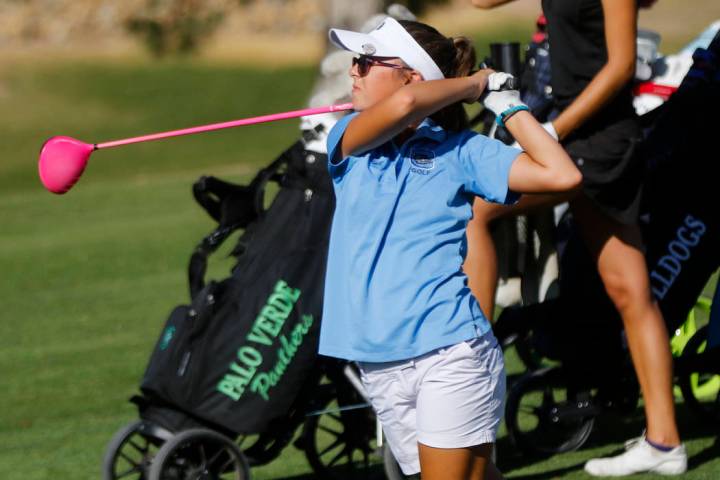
[62,161]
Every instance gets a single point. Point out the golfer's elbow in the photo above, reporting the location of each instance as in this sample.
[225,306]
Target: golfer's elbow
[555,171]
[567,180]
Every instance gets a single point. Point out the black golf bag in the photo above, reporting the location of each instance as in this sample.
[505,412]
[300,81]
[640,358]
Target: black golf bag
[235,373]
[237,357]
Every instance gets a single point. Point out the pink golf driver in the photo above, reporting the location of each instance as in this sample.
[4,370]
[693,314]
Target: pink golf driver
[63,159]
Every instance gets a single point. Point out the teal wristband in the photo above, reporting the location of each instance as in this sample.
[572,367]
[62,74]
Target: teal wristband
[504,116]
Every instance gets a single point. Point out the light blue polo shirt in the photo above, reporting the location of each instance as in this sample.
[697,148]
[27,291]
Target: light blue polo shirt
[394,287]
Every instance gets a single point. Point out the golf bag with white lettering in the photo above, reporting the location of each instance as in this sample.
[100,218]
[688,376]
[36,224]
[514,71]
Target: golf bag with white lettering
[235,373]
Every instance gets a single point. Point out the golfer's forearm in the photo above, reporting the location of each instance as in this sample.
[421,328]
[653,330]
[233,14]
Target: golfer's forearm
[533,138]
[551,165]
[598,93]
[425,98]
[407,106]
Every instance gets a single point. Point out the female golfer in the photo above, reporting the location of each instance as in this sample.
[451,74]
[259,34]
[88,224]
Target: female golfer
[592,56]
[405,171]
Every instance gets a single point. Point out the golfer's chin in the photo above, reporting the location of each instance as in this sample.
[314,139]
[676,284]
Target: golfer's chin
[359,102]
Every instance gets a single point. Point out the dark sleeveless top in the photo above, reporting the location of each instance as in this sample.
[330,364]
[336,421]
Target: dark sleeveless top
[603,147]
[578,51]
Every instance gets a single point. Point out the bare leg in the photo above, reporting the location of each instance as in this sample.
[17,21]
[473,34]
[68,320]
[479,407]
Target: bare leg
[618,253]
[471,463]
[481,260]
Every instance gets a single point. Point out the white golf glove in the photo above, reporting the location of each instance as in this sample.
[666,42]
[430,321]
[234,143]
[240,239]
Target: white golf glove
[501,102]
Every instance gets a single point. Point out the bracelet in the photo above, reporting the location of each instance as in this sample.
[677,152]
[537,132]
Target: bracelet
[504,116]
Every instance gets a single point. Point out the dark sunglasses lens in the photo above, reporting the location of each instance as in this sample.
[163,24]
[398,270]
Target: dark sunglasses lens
[363,65]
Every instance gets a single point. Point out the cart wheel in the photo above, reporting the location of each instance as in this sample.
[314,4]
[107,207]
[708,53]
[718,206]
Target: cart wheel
[199,453]
[701,391]
[129,453]
[534,417]
[340,444]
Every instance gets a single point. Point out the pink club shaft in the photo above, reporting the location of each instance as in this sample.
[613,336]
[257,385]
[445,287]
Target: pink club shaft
[234,123]
[63,159]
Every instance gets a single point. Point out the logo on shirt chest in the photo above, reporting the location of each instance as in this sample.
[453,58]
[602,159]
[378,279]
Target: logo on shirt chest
[422,161]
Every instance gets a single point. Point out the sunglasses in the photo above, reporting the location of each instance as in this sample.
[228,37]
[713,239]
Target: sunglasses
[363,63]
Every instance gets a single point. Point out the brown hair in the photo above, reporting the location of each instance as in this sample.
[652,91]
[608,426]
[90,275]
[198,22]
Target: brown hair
[455,57]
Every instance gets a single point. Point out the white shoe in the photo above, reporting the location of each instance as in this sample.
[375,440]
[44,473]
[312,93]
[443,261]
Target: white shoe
[639,457]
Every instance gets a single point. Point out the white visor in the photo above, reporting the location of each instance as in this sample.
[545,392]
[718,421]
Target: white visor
[389,39]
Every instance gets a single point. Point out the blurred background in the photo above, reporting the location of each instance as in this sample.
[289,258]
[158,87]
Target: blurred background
[88,278]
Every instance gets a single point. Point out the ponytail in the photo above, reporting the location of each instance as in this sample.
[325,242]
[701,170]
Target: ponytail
[455,57]
[465,59]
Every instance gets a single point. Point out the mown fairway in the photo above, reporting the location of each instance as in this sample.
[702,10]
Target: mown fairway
[89,277]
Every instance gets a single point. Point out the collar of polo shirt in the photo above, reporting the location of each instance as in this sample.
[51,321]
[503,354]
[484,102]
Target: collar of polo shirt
[389,39]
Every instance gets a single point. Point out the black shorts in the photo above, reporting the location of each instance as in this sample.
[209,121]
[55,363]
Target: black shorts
[612,173]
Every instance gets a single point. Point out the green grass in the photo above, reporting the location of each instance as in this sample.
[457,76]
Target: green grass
[88,278]
[101,102]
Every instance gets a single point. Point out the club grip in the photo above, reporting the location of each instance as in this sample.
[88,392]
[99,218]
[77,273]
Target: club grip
[510,84]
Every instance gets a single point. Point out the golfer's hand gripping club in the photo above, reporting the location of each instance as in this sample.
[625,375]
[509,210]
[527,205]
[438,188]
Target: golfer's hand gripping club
[501,97]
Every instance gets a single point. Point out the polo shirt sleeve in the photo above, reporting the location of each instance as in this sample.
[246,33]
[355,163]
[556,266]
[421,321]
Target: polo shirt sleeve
[338,166]
[485,168]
